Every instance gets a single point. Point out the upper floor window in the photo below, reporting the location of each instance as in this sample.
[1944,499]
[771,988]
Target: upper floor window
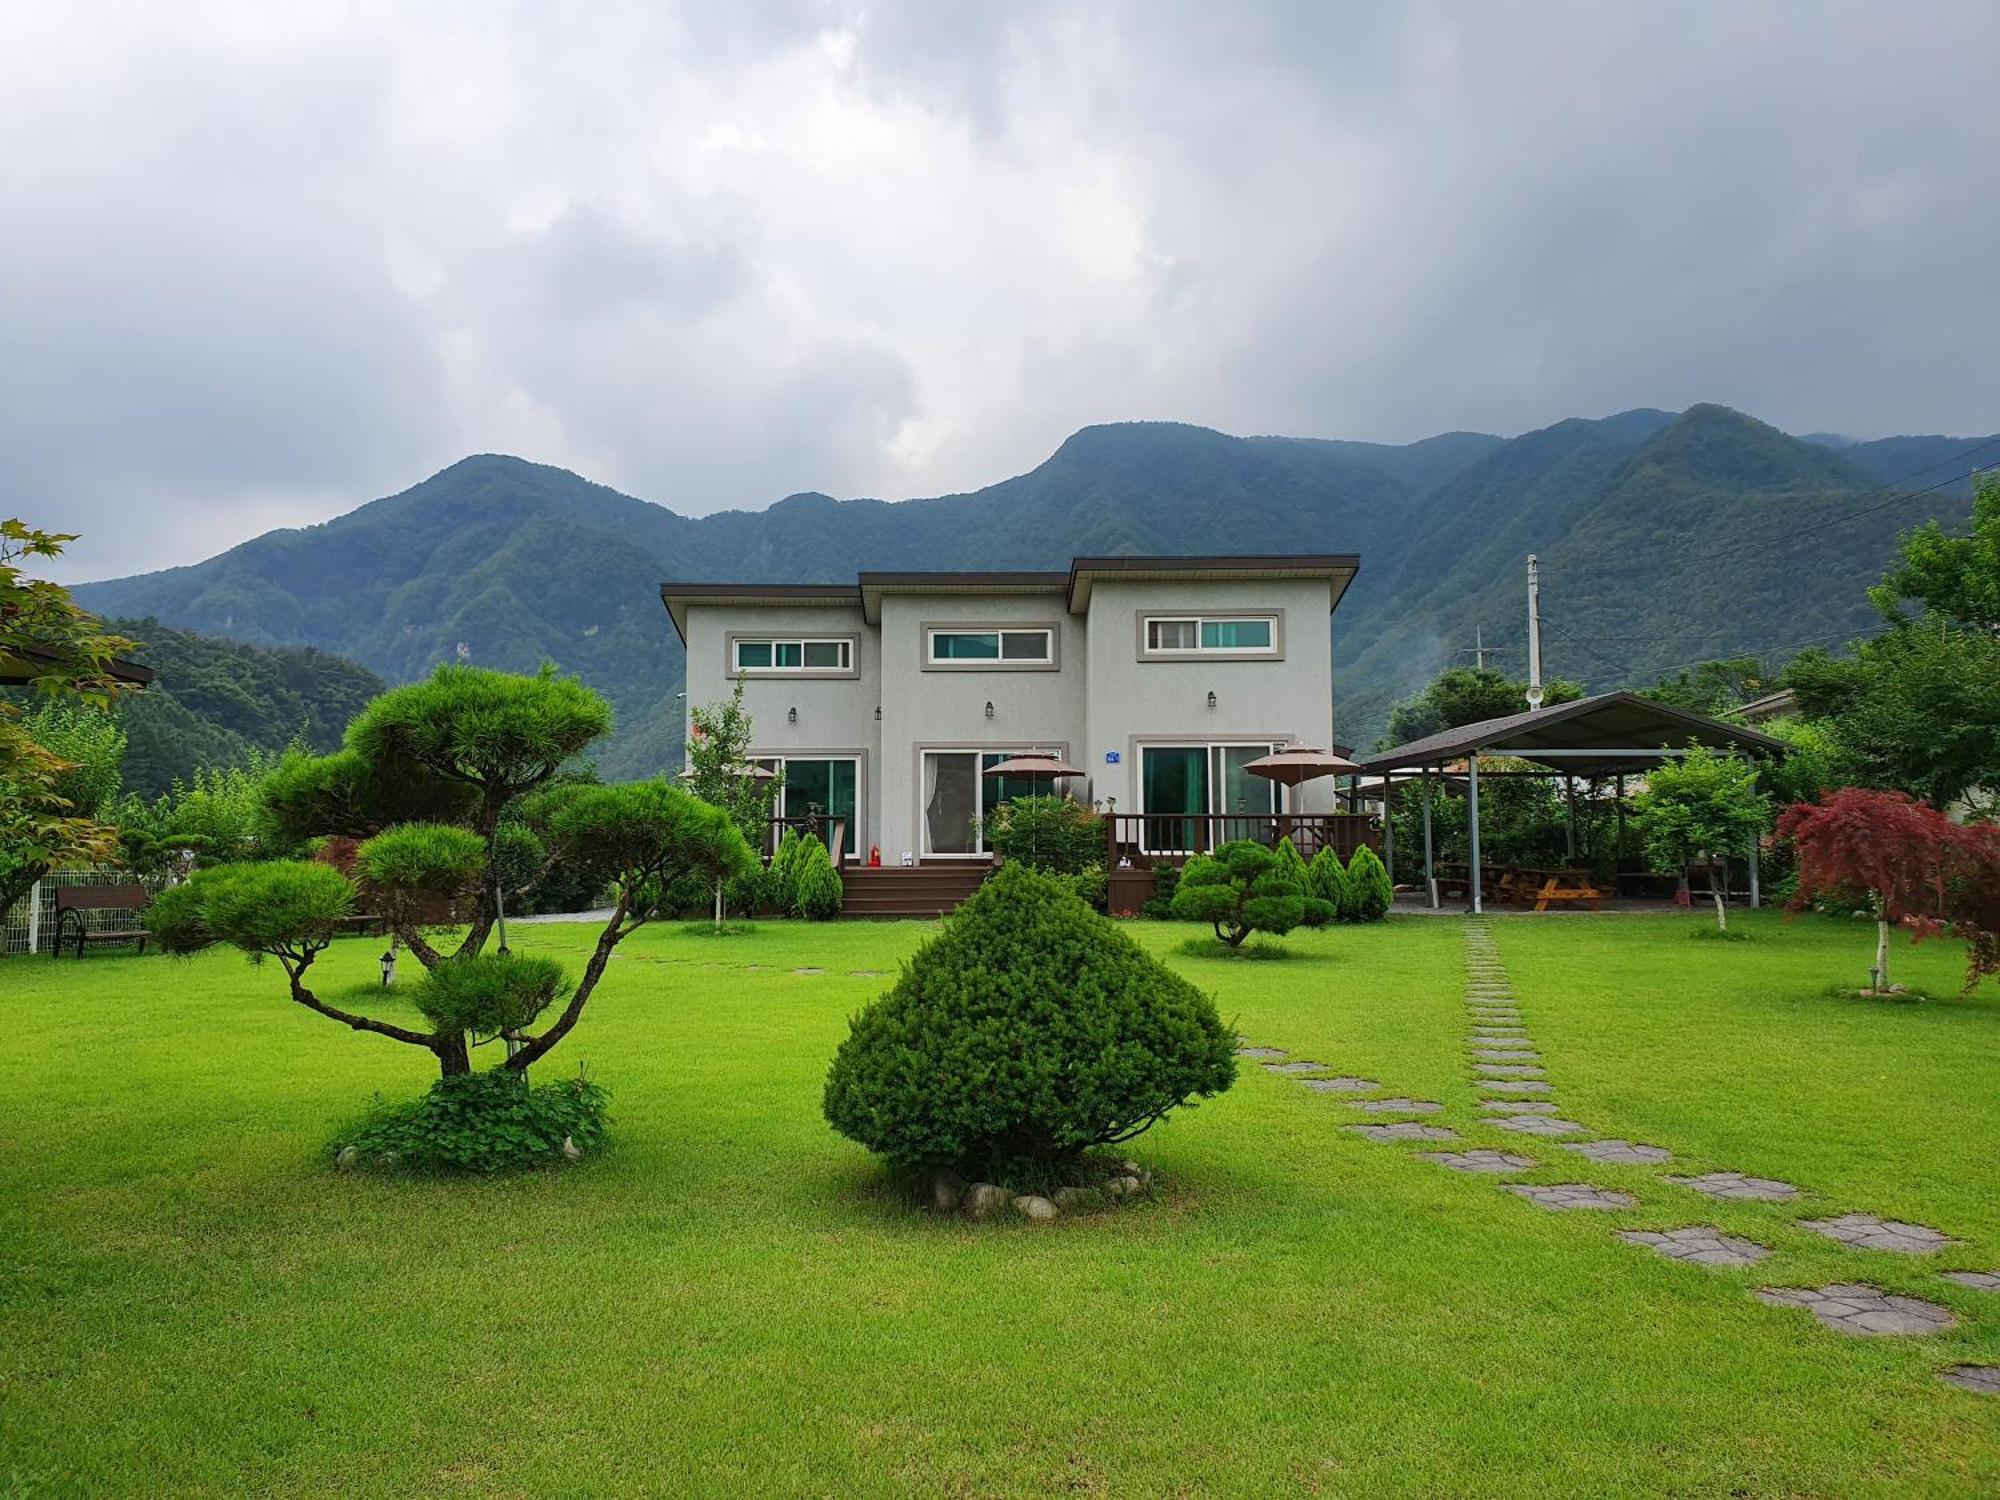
[1027,647]
[1237,635]
[807,655]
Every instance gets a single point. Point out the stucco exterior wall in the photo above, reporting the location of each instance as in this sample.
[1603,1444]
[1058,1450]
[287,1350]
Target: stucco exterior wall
[924,708]
[836,715]
[1133,701]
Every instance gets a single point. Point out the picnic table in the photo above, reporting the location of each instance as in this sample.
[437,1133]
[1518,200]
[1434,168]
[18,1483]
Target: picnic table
[1522,884]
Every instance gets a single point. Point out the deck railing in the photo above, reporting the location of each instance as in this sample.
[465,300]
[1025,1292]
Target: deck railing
[1143,839]
[830,831]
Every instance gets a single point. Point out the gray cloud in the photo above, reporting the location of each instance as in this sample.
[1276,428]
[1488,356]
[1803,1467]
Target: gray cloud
[258,264]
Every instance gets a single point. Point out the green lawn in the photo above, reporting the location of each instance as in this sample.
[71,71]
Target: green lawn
[731,1303]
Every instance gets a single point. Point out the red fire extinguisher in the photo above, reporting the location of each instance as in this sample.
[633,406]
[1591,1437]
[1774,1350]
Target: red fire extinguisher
[874,856]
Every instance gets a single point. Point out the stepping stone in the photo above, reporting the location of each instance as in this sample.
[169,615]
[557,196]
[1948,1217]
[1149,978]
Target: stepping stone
[1506,1054]
[1485,1028]
[1398,1106]
[1509,1070]
[1481,1159]
[808,971]
[1984,1379]
[1979,1281]
[1262,1052]
[1703,1245]
[1517,1106]
[877,974]
[1564,1196]
[1862,1310]
[1736,1185]
[1538,1125]
[1624,1153]
[1866,1232]
[1341,1085]
[1405,1130]
[1515,1085]
[1301,1066]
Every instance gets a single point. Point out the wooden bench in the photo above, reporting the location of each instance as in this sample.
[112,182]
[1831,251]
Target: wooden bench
[74,904]
[1554,890]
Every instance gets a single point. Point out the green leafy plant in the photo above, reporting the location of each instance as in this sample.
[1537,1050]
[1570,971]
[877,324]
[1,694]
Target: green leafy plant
[1365,893]
[487,1122]
[1057,834]
[782,883]
[1704,807]
[1028,1031]
[1243,888]
[1166,880]
[817,884]
[1292,865]
[1328,878]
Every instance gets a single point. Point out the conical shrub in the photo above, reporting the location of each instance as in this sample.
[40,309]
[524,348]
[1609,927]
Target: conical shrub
[1367,891]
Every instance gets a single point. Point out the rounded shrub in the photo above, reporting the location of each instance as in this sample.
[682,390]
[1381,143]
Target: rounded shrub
[1292,865]
[1243,888]
[493,1121]
[1028,1031]
[816,884]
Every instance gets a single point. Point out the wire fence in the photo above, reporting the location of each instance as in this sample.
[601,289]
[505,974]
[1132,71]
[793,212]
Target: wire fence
[30,924]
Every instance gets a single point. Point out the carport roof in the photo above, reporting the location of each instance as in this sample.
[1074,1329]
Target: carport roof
[1604,735]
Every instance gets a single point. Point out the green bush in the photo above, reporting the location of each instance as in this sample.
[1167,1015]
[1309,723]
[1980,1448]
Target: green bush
[1293,866]
[783,889]
[1091,886]
[1028,1031]
[1366,894]
[816,884]
[487,994]
[1243,888]
[1327,878]
[480,1122]
[1057,834]
[1166,880]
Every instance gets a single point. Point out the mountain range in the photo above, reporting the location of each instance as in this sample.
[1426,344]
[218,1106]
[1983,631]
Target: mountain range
[1664,538]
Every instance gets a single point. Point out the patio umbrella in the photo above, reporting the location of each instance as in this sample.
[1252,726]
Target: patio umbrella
[1033,765]
[1299,763]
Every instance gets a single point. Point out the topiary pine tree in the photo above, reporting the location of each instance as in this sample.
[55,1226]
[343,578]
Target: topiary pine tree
[1242,888]
[816,884]
[426,773]
[1293,866]
[1366,894]
[1028,1031]
[1328,878]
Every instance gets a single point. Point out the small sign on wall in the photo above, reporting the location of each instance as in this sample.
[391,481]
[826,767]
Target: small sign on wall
[1111,757]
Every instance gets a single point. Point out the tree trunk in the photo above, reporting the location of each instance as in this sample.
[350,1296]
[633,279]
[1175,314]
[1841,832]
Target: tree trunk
[1881,953]
[1718,882]
[453,1058]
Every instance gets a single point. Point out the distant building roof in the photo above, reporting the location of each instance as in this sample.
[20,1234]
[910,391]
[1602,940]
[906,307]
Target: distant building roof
[1338,569]
[19,671]
[1782,704]
[1563,737]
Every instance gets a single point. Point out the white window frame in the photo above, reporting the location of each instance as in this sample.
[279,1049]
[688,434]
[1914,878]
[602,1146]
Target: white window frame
[999,662]
[1149,651]
[845,644]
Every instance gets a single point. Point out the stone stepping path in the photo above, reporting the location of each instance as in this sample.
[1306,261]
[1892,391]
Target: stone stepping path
[1850,1307]
[1301,1066]
[1565,1196]
[1405,1130]
[1538,1125]
[1985,1379]
[1505,1054]
[1481,1159]
[1735,1186]
[1341,1085]
[1262,1052]
[1701,1245]
[1518,1106]
[1866,1232]
[1624,1153]
[1509,1070]
[1515,1085]
[1979,1281]
[808,971]
[1398,1106]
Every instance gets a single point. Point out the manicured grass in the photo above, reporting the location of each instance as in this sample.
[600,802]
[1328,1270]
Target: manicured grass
[731,1302]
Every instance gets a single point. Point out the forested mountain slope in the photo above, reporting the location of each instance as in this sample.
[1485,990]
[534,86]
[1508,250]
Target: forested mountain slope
[1664,538]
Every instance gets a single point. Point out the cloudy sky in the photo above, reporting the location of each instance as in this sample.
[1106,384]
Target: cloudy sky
[262,262]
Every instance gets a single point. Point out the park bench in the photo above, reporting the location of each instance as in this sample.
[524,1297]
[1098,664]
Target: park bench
[76,903]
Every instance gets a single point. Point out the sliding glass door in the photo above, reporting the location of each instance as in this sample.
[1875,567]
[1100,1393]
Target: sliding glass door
[958,794]
[1183,789]
[823,787]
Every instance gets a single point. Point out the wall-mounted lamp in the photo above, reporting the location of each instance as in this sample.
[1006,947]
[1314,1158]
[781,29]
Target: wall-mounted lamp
[792,714]
[878,713]
[1211,698]
[989,708]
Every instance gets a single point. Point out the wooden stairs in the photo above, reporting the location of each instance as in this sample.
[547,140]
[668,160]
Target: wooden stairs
[909,890]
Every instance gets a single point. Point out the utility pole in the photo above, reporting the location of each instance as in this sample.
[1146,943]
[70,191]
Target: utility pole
[1478,652]
[1534,632]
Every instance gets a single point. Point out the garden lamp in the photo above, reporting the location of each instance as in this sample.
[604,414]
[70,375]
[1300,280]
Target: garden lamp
[388,967]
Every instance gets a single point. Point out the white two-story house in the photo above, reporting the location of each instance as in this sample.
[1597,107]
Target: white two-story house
[886,700]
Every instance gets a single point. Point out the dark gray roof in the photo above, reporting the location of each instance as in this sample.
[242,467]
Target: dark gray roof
[1608,721]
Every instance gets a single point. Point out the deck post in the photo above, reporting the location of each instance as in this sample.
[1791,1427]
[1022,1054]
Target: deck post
[1430,870]
[1756,895]
[1569,827]
[1388,831]
[1472,832]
